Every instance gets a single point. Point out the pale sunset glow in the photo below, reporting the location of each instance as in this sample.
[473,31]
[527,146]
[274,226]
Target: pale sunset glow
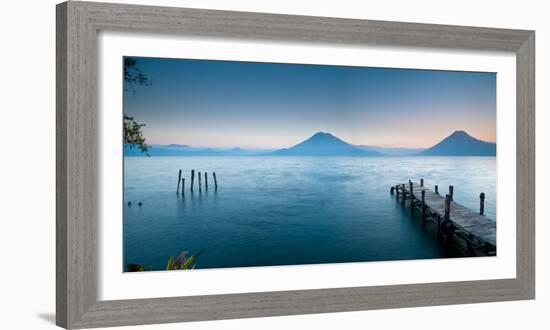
[268,106]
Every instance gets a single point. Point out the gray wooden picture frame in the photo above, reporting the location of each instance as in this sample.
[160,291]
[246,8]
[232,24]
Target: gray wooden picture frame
[78,24]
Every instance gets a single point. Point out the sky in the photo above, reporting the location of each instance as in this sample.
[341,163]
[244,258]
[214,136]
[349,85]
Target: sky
[226,104]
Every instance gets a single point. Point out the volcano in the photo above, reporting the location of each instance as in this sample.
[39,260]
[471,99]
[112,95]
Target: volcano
[324,144]
[461,143]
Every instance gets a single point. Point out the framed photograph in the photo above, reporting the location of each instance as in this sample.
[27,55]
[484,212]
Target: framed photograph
[216,165]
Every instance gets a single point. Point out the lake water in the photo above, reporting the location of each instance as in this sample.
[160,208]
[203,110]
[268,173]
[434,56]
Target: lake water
[290,210]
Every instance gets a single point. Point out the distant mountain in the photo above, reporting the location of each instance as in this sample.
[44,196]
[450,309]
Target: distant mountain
[172,150]
[168,150]
[461,143]
[393,151]
[324,144]
[174,145]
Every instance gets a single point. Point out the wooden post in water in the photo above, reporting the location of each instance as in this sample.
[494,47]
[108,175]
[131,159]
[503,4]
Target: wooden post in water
[447,207]
[199,175]
[421,182]
[182,186]
[392,189]
[481,203]
[451,191]
[206,180]
[412,195]
[403,194]
[215,181]
[179,180]
[436,189]
[423,205]
[192,179]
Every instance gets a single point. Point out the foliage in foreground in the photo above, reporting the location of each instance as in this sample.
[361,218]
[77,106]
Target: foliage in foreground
[182,262]
[133,76]
[133,136]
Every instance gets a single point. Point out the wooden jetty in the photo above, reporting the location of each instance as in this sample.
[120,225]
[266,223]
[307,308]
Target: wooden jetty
[471,232]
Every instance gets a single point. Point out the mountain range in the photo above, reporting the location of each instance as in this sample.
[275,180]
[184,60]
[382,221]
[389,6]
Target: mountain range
[459,143]
[158,150]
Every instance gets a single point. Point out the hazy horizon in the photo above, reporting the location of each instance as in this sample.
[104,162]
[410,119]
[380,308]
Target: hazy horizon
[297,142]
[225,104]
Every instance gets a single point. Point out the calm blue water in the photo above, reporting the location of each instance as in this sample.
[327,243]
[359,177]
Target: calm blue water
[290,210]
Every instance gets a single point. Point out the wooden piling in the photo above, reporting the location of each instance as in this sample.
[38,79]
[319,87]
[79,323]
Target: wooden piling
[423,205]
[192,179]
[447,207]
[206,180]
[199,175]
[451,192]
[421,182]
[436,189]
[403,194]
[392,189]
[411,196]
[412,193]
[215,181]
[179,180]
[182,186]
[481,203]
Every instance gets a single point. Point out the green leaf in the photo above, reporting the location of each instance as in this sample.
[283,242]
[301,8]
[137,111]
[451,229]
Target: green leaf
[192,261]
[170,265]
[188,263]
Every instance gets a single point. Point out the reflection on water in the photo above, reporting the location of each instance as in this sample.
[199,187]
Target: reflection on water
[290,210]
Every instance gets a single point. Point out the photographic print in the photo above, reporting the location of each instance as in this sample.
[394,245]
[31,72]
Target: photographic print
[247,164]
